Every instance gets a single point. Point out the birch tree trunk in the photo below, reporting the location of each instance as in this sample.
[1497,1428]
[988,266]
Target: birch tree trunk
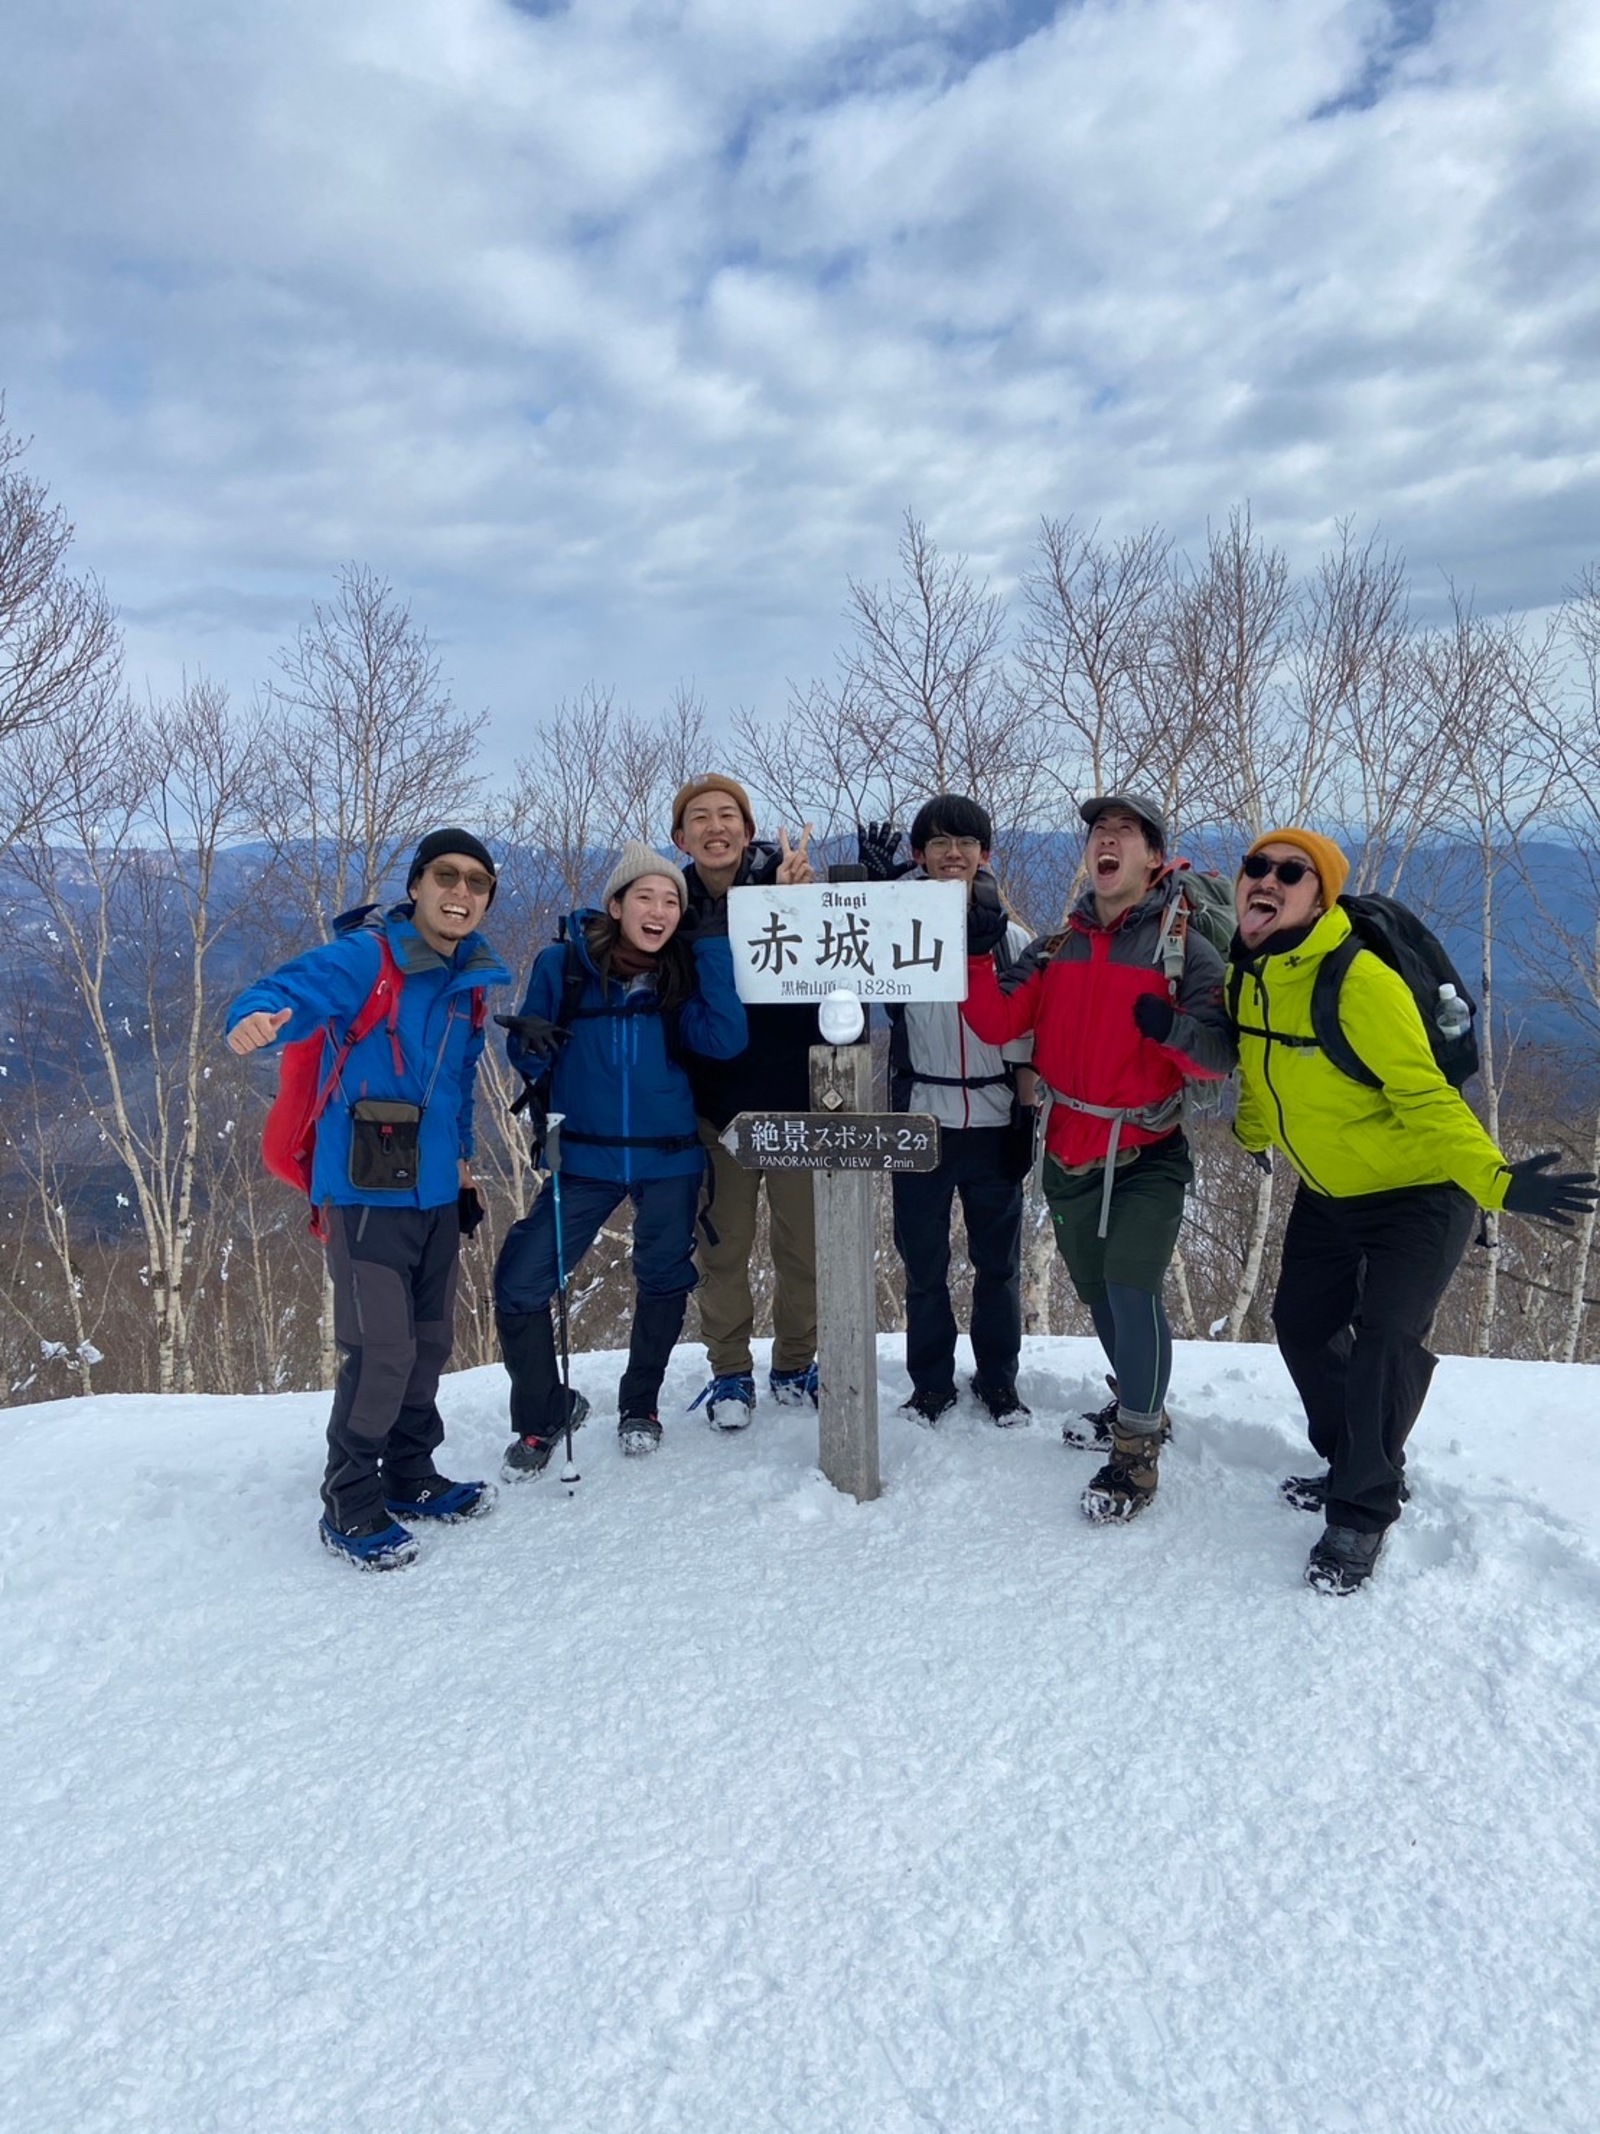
[1255,1253]
[1572,1335]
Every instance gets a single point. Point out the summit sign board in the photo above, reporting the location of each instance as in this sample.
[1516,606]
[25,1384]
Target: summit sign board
[878,940]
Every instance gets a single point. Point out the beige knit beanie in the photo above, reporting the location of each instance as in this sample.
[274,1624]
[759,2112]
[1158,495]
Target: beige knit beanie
[636,862]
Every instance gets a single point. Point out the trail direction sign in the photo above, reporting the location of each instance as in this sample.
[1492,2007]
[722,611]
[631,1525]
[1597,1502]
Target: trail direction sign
[833,1141]
[879,940]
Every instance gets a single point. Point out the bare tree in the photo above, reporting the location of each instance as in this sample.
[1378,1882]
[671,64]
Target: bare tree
[369,750]
[922,703]
[1566,953]
[1482,700]
[60,652]
[129,891]
[1089,656]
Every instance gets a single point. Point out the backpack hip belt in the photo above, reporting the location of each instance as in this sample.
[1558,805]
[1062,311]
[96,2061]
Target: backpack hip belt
[1150,1118]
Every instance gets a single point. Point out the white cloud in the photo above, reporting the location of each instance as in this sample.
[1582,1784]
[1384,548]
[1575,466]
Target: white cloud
[619,335]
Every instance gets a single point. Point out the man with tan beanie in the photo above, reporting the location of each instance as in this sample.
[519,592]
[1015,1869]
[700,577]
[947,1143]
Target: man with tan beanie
[713,825]
[1392,1171]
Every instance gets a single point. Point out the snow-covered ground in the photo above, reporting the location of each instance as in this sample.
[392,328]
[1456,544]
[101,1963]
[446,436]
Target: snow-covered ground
[707,1800]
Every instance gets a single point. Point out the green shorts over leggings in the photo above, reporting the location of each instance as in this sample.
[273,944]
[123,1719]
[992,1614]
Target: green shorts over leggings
[1146,1212]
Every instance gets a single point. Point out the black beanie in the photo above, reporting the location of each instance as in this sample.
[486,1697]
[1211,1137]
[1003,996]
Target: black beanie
[440,843]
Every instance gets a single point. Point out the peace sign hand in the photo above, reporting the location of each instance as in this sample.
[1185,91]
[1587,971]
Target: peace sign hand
[794,865]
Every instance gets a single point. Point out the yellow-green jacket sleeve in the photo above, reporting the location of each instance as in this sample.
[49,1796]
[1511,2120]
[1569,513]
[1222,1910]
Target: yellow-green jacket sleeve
[1381,1020]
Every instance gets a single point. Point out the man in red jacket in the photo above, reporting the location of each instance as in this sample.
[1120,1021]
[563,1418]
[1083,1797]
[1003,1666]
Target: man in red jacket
[1115,1040]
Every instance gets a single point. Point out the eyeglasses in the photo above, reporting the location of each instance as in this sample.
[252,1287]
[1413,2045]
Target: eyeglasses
[449,877]
[966,846]
[1258,867]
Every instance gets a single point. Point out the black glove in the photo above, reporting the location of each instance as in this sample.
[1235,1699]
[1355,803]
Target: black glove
[1262,1159]
[1553,1196]
[1155,1015]
[986,919]
[877,844]
[469,1210]
[704,922]
[534,1034]
[1017,1149]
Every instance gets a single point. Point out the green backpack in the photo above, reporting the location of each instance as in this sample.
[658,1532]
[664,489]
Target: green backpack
[1201,900]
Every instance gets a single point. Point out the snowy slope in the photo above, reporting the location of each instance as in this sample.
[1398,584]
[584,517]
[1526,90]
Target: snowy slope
[706,1800]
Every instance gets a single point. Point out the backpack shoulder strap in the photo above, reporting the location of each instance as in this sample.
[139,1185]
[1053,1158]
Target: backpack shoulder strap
[1326,1025]
[572,983]
[382,1005]
[1173,939]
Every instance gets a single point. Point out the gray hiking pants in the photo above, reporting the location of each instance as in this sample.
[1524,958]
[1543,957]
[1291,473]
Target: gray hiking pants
[394,1297]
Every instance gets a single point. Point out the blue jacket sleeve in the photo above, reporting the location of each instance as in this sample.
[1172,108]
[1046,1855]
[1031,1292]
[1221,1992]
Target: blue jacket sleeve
[543,997]
[329,983]
[713,1016]
[466,1132]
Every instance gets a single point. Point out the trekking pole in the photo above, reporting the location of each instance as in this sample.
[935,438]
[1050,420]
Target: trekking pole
[552,1155]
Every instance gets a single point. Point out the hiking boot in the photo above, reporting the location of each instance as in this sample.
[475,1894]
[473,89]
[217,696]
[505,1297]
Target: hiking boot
[1343,1559]
[1127,1482]
[1003,1402]
[1098,1425]
[926,1408]
[377,1543]
[433,1497]
[792,1389]
[730,1402]
[639,1433]
[527,1457]
[1309,1493]
[1094,1427]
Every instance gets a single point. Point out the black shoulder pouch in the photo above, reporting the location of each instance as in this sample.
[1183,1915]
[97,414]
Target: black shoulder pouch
[383,1145]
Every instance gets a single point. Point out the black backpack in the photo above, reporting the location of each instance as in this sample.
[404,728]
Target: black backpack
[1397,937]
[533,1101]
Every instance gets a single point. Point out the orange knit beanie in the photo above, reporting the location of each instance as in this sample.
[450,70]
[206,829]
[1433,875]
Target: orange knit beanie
[1332,868]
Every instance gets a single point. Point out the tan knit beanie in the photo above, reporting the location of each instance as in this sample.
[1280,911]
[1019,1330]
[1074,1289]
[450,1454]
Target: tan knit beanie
[636,862]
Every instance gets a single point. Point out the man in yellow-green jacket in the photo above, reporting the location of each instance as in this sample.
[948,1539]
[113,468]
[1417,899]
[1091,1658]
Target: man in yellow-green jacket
[1391,1179]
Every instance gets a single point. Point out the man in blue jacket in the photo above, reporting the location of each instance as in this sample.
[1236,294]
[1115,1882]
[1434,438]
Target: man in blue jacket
[392,1170]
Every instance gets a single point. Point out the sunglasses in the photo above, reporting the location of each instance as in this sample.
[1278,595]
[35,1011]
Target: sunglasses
[474,878]
[1258,867]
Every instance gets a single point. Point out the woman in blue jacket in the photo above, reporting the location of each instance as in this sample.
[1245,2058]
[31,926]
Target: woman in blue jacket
[628,1133]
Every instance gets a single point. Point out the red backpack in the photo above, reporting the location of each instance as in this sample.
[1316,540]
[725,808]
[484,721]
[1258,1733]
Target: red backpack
[289,1136]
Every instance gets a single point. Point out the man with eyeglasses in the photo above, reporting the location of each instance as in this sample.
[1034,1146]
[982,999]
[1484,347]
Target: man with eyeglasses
[392,1175]
[1116,1039]
[982,1096]
[1391,1174]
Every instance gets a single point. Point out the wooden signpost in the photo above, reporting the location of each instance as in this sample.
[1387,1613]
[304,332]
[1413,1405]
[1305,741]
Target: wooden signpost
[891,941]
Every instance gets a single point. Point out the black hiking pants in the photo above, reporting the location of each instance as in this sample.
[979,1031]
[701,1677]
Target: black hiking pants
[972,1162]
[394,1300]
[1360,1283]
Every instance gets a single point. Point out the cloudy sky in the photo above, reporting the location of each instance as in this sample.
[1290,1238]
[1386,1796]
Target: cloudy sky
[619,334]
